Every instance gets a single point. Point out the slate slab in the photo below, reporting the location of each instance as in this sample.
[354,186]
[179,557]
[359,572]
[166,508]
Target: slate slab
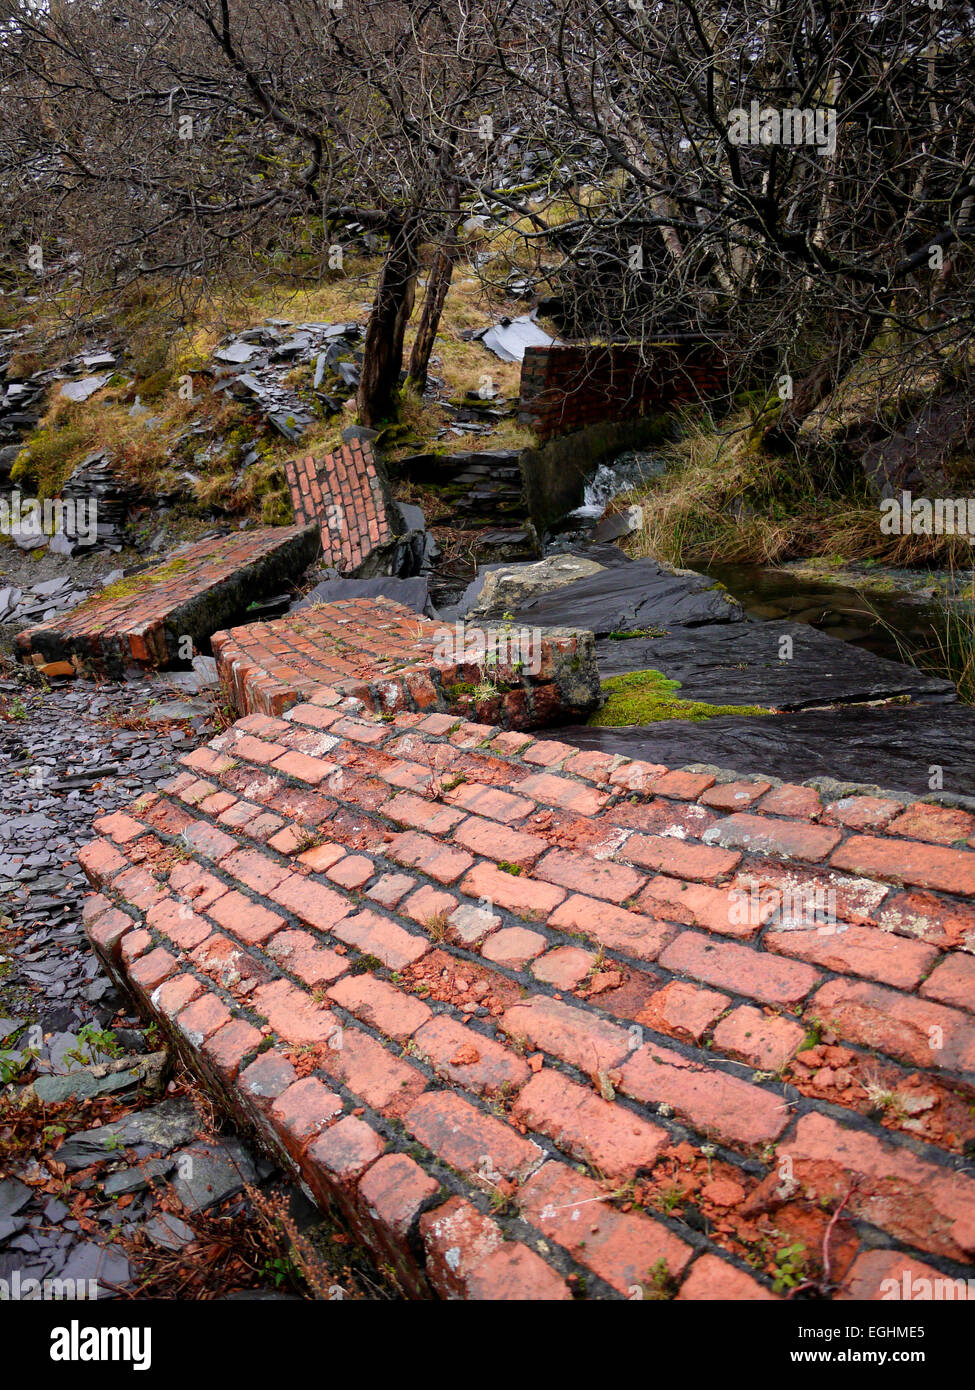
[98,1263]
[742,664]
[893,747]
[162,1127]
[217,1169]
[13,1196]
[639,595]
[412,593]
[168,1232]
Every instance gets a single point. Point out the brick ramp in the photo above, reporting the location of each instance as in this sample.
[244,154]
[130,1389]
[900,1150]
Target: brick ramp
[347,497]
[497,1000]
[389,658]
[142,621]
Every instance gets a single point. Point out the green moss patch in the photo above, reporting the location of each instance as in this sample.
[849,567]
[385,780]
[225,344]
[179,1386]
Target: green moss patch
[645,697]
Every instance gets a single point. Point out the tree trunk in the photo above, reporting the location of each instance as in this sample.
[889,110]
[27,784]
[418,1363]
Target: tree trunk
[438,285]
[851,342]
[376,399]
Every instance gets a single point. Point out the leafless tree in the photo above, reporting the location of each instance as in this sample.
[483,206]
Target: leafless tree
[187,137]
[702,200]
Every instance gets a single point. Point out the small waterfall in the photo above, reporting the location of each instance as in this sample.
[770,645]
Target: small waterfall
[610,479]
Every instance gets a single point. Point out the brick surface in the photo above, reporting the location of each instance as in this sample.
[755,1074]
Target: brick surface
[739,968]
[394,663]
[713,1279]
[588,1128]
[711,1101]
[623,1249]
[767,1042]
[138,622]
[499,1009]
[913,1199]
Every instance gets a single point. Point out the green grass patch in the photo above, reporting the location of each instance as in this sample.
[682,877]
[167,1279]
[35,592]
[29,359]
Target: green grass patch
[645,697]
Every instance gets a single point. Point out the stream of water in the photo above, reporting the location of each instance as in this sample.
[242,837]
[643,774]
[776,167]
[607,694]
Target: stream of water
[888,622]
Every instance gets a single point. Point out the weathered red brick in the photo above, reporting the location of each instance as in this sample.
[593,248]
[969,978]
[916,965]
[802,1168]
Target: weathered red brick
[513,947]
[575,1035]
[765,1042]
[677,857]
[734,796]
[878,955]
[469,1059]
[343,1153]
[890,1276]
[616,928]
[500,842]
[952,982]
[381,1005]
[476,1144]
[683,1010]
[906,861]
[740,969]
[304,1110]
[625,1249]
[564,967]
[381,937]
[939,825]
[910,1198]
[787,839]
[293,1014]
[247,919]
[615,1141]
[914,1030]
[394,1191]
[711,1278]
[709,1100]
[522,895]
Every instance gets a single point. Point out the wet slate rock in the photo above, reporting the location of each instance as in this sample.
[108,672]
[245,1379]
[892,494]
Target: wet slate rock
[136,1179]
[14,1196]
[83,1084]
[893,747]
[638,596]
[217,1169]
[162,1128]
[740,664]
[100,1264]
[168,1232]
[413,593]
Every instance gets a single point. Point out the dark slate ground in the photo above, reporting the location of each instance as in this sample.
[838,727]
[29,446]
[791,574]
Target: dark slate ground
[894,747]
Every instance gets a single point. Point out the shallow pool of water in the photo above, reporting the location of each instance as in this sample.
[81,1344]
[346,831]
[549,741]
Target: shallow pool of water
[887,623]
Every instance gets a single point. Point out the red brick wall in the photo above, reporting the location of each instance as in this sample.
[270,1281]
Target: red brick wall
[567,388]
[344,494]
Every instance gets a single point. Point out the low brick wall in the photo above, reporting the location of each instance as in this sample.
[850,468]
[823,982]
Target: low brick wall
[496,1001]
[346,496]
[144,621]
[388,658]
[567,388]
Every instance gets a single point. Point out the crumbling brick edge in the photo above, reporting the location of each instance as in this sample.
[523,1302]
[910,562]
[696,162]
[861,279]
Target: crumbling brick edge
[412,1224]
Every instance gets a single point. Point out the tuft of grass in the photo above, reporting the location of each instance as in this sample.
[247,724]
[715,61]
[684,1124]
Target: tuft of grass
[726,498]
[951,653]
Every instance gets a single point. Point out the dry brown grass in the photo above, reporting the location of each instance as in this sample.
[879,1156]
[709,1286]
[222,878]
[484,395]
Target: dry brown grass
[724,499]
